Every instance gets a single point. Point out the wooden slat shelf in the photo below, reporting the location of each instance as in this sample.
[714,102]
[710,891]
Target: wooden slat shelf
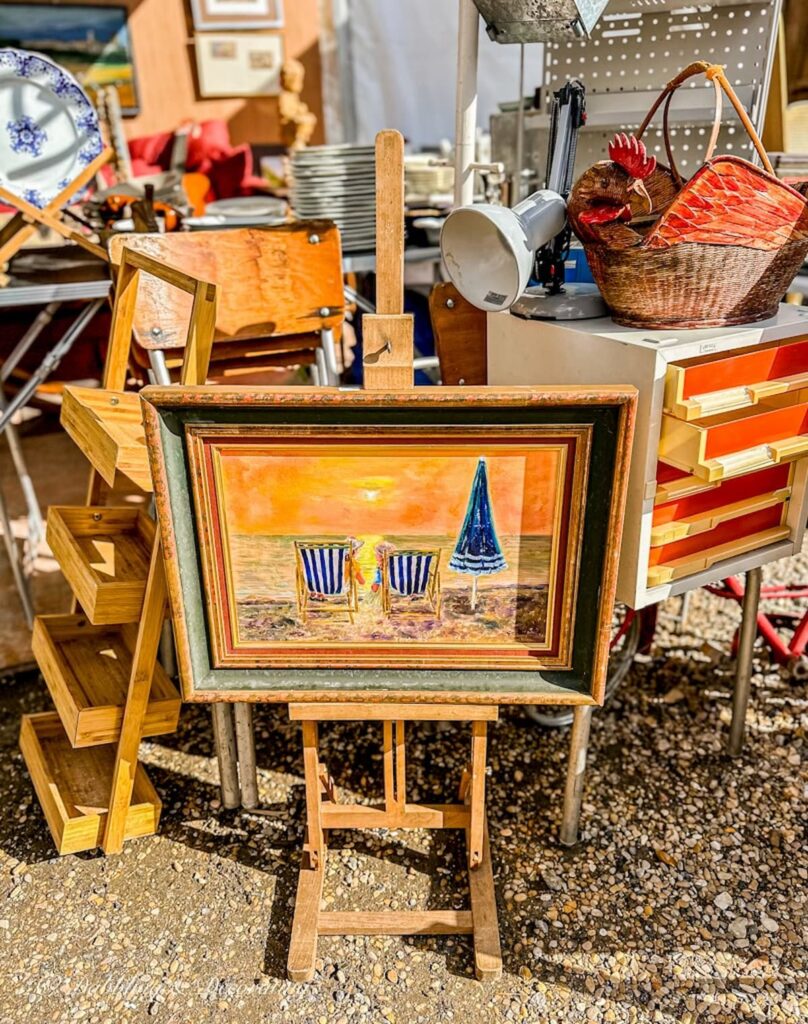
[104,555]
[73,786]
[107,427]
[87,670]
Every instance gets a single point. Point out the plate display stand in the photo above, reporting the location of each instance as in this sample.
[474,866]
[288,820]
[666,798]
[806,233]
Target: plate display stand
[29,218]
[388,365]
[100,662]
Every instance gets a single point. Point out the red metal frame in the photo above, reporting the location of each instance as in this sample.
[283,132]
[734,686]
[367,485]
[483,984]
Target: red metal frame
[769,626]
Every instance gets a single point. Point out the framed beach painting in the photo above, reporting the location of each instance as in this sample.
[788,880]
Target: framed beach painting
[90,40]
[434,544]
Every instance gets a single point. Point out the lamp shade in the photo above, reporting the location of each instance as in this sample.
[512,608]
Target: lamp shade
[489,250]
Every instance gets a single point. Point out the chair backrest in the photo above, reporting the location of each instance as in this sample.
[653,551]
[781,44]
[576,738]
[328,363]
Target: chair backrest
[281,282]
[460,337]
[324,566]
[408,571]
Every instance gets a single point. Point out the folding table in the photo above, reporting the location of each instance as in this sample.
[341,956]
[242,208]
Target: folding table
[42,281]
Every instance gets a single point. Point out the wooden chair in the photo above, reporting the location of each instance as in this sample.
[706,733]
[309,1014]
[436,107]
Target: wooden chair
[460,337]
[24,223]
[325,573]
[412,574]
[281,300]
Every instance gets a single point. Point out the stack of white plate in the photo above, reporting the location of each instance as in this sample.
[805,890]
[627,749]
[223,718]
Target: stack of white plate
[338,183]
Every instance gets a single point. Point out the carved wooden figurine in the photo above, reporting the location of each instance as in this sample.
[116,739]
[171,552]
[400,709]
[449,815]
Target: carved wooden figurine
[297,121]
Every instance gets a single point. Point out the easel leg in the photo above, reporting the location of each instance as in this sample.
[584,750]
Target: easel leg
[576,768]
[487,951]
[245,745]
[224,739]
[743,669]
[303,945]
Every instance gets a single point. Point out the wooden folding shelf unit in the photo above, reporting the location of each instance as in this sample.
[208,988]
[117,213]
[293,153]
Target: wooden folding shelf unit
[100,661]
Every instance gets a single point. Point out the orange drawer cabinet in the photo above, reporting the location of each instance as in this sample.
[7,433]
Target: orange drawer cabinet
[719,468]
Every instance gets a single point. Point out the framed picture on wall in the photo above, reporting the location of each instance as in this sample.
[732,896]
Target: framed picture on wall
[238,63]
[219,14]
[90,40]
[433,544]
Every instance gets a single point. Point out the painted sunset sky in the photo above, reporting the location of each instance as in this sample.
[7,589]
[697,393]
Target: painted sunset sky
[403,491]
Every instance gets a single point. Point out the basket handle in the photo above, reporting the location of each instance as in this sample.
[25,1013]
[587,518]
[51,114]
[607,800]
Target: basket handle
[715,73]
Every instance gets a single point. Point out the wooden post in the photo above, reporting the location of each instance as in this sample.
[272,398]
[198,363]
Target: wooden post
[387,334]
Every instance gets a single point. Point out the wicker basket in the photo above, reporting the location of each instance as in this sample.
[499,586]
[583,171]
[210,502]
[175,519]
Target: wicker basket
[691,283]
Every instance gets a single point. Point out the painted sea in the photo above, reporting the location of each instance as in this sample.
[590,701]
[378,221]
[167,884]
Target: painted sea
[511,605]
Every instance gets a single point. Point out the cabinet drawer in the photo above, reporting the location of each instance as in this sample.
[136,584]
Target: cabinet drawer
[727,445]
[702,508]
[730,381]
[737,536]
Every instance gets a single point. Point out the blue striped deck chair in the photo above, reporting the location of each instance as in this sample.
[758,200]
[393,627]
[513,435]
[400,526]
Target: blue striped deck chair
[415,577]
[325,577]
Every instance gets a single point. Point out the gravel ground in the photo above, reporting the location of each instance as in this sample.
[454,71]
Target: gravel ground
[683,902]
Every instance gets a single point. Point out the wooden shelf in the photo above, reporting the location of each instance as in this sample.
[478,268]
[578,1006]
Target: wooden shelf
[87,670]
[104,554]
[107,427]
[73,786]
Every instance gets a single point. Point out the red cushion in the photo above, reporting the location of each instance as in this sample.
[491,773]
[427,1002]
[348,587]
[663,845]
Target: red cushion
[227,174]
[154,150]
[207,142]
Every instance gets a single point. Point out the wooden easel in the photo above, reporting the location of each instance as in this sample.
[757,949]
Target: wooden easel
[388,365]
[23,225]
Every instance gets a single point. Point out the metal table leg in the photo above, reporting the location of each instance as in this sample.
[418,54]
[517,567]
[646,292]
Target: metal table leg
[743,668]
[16,565]
[576,767]
[49,362]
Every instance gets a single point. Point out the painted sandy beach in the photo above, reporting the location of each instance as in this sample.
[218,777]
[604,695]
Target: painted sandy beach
[511,605]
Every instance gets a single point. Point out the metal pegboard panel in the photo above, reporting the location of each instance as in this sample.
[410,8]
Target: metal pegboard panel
[636,48]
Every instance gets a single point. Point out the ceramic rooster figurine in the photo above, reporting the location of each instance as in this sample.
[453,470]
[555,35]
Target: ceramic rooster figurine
[719,249]
[628,189]
[631,200]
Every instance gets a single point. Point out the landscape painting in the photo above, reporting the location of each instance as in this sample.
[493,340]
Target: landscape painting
[342,552]
[91,42]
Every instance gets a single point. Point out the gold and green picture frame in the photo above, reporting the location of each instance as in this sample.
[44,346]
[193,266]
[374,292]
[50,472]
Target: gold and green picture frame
[426,545]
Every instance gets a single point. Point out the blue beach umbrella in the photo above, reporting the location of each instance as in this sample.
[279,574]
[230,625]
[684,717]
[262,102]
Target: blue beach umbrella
[477,552]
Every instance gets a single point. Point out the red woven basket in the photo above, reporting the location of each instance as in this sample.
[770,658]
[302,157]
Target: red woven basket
[723,252]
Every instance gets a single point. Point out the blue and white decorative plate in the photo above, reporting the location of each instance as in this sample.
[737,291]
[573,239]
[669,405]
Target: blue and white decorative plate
[48,127]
